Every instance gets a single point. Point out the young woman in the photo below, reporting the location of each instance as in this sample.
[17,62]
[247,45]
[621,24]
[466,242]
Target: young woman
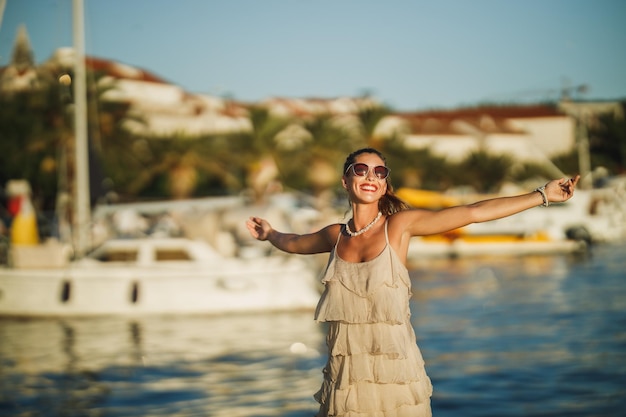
[375,368]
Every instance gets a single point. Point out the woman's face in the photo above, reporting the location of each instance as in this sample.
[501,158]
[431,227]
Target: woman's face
[368,188]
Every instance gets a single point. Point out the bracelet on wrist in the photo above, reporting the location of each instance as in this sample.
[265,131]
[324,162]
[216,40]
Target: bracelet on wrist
[542,190]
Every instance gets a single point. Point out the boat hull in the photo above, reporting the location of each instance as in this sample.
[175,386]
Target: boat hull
[115,291]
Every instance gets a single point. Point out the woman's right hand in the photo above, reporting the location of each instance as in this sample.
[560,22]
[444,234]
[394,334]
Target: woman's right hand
[258,228]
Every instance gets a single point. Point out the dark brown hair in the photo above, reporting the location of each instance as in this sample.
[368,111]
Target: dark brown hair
[389,203]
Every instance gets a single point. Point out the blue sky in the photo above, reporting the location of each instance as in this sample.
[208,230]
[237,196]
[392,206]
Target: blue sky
[408,54]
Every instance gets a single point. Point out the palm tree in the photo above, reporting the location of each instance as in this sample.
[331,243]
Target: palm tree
[314,165]
[260,157]
[483,171]
[33,126]
[608,142]
[179,167]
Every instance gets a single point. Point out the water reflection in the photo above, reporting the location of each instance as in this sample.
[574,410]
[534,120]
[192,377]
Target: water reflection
[534,336]
[265,365]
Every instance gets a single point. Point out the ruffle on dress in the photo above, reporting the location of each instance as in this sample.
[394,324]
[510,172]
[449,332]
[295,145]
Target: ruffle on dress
[348,370]
[367,399]
[394,341]
[375,368]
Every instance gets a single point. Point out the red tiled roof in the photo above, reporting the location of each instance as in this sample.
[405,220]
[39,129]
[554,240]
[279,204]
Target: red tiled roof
[488,119]
[117,70]
[508,112]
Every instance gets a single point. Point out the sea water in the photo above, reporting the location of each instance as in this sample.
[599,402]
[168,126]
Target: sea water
[501,336]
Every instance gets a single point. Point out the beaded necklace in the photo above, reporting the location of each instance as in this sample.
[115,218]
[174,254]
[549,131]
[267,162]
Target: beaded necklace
[365,229]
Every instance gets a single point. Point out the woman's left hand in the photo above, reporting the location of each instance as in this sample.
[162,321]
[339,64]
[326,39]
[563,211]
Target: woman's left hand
[561,190]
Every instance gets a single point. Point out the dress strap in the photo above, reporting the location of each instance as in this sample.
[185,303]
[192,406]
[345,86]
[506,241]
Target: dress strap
[343,226]
[389,250]
[386,235]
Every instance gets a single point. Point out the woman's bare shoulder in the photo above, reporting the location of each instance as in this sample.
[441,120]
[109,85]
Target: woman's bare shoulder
[331,232]
[406,217]
[405,221]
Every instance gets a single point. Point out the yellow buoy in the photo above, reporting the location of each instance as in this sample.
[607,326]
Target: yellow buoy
[24,227]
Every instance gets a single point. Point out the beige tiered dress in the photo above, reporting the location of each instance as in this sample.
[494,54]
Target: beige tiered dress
[374,368]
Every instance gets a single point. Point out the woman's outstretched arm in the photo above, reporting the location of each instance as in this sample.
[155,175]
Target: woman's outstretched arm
[425,222]
[317,242]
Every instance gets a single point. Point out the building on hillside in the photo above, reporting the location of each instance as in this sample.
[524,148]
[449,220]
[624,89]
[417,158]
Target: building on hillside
[311,107]
[165,109]
[586,115]
[531,134]
[588,112]
[343,114]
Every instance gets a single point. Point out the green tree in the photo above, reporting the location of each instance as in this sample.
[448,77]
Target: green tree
[257,157]
[316,164]
[34,125]
[607,142]
[483,171]
[415,168]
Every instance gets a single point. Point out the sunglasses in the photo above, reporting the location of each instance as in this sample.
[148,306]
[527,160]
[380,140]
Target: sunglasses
[361,170]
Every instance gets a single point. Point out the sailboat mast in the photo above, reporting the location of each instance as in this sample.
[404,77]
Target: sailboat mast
[3,4]
[81,218]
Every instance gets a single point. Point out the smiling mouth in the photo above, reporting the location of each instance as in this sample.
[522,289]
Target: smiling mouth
[369,187]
